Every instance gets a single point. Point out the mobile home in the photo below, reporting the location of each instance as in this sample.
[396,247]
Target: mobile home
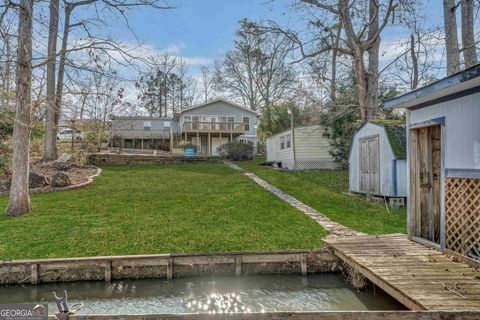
[305,148]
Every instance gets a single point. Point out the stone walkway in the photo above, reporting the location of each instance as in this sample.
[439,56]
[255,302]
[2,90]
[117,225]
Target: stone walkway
[335,229]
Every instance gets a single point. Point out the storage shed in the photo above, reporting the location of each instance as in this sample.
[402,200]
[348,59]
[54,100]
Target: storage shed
[305,149]
[443,159]
[377,161]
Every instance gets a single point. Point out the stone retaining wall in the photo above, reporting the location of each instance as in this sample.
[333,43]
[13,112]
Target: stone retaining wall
[167,266]
[123,159]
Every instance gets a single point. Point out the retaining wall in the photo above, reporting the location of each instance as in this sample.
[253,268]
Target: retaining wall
[122,159]
[167,266]
[322,315]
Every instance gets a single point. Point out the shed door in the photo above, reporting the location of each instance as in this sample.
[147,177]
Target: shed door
[369,165]
[425,166]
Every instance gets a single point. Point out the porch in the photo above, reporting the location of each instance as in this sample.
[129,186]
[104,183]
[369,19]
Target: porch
[209,136]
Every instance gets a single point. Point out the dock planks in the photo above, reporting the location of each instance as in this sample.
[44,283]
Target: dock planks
[417,276]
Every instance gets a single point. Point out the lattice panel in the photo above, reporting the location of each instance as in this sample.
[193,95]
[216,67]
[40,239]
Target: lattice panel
[316,165]
[462,214]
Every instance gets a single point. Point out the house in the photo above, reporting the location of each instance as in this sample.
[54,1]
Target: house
[305,148]
[207,126]
[443,161]
[377,161]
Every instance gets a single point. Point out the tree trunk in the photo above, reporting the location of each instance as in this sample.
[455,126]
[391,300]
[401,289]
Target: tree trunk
[468,36]
[413,55]
[50,147]
[61,68]
[451,36]
[19,201]
[373,53]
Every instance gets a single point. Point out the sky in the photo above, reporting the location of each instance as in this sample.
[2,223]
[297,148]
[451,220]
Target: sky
[203,30]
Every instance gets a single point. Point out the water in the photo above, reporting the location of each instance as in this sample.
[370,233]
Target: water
[259,293]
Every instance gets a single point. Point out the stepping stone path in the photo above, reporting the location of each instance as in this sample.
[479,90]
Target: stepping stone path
[335,229]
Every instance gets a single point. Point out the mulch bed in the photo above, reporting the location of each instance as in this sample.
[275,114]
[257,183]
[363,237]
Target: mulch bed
[78,174]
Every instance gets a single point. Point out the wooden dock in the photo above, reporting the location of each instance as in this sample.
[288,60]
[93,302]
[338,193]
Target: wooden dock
[419,277]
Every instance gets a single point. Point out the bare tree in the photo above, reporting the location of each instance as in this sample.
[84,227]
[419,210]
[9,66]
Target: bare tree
[19,200]
[256,69]
[117,6]
[50,145]
[207,82]
[468,35]
[451,36]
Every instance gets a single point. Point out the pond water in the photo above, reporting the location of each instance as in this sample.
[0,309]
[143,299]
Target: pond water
[259,293]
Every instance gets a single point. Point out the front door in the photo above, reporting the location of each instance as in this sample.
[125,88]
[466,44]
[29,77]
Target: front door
[369,165]
[425,167]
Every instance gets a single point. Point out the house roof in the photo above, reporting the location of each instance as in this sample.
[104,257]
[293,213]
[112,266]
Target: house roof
[396,135]
[218,100]
[139,118]
[296,127]
[454,86]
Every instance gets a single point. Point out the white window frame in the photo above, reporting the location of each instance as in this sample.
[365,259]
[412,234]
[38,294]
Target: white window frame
[246,124]
[147,124]
[288,141]
[282,143]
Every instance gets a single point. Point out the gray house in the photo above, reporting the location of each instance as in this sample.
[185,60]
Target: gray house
[306,148]
[207,126]
[377,161]
[443,161]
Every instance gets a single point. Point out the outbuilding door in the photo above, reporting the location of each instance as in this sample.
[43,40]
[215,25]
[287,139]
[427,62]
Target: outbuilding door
[369,165]
[425,173]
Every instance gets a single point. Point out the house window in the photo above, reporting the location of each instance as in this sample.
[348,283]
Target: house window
[147,125]
[166,124]
[288,139]
[282,143]
[246,121]
[187,122]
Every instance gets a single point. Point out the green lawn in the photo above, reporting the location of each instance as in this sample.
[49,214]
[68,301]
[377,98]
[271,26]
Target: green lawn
[326,192]
[157,209]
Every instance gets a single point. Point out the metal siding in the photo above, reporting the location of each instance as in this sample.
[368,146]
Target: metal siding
[462,141]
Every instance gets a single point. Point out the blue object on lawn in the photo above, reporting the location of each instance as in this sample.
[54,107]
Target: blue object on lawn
[189,152]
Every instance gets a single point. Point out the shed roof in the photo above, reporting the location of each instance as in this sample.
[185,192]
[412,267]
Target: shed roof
[396,135]
[454,86]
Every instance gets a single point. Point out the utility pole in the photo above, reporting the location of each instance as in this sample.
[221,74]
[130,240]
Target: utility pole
[292,129]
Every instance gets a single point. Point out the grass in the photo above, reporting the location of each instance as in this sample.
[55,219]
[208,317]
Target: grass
[326,192]
[157,209]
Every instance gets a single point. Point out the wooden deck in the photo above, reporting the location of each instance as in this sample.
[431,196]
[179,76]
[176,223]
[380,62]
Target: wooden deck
[419,277]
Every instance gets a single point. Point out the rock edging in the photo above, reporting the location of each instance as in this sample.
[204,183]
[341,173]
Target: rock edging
[67,188]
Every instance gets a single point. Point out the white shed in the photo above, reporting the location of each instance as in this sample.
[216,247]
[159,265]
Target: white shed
[377,161]
[306,149]
[443,126]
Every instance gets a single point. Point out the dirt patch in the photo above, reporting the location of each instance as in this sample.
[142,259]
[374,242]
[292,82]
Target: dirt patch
[78,174]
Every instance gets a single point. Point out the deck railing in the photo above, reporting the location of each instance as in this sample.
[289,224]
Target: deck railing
[141,134]
[214,127]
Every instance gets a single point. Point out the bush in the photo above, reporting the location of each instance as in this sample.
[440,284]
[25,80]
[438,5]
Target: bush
[236,150]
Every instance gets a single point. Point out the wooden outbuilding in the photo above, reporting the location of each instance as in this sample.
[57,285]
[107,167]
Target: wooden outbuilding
[377,160]
[443,160]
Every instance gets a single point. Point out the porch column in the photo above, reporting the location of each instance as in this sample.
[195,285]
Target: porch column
[171,139]
[209,145]
[199,144]
[141,143]
[231,137]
